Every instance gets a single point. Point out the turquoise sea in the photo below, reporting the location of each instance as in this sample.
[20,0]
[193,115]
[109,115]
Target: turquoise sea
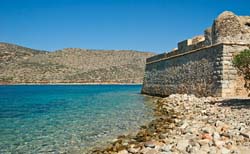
[68,118]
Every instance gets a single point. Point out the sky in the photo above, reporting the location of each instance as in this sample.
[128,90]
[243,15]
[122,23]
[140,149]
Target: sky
[143,25]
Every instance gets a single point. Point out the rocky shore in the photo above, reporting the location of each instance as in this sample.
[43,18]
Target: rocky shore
[187,124]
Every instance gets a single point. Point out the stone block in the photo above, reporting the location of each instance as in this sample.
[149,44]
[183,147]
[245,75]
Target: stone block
[226,62]
[182,46]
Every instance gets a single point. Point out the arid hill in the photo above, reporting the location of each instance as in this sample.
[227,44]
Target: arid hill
[71,65]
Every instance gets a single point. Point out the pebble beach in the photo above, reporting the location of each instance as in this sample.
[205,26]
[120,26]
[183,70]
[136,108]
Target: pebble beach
[187,124]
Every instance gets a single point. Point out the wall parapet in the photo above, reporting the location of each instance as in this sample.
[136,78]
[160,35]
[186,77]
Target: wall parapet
[165,56]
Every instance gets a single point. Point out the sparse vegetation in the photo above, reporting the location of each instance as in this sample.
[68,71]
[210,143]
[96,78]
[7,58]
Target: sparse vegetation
[242,63]
[70,65]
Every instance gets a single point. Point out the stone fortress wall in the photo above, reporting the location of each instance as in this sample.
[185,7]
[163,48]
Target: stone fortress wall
[202,65]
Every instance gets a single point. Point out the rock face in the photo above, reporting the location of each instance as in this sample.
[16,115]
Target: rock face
[187,124]
[231,28]
[24,65]
[202,65]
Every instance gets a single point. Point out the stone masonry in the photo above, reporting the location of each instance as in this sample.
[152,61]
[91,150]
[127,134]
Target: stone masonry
[202,65]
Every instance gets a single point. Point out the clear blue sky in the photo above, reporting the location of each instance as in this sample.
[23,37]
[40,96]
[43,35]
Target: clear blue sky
[145,25]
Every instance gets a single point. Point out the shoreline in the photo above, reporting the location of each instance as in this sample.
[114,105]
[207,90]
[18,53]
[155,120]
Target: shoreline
[187,124]
[73,83]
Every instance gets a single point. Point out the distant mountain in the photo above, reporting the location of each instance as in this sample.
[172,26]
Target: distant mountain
[72,65]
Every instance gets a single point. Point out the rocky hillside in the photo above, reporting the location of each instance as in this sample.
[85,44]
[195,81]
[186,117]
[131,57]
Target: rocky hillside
[72,65]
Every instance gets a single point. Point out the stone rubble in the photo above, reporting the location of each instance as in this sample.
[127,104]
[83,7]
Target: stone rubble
[187,124]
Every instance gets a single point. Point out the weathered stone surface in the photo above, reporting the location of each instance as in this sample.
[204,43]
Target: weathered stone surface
[192,73]
[226,25]
[231,28]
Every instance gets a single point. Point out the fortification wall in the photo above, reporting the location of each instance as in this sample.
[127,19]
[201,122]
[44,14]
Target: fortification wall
[202,65]
[194,73]
[205,72]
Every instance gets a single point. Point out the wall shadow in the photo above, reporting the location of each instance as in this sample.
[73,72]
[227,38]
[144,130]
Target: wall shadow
[236,103]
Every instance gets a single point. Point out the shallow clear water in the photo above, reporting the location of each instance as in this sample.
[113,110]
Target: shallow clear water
[71,119]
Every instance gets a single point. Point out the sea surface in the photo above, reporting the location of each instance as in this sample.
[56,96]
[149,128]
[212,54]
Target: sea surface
[68,118]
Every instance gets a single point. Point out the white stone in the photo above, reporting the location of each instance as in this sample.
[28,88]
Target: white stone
[166,148]
[224,151]
[216,135]
[123,152]
[182,145]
